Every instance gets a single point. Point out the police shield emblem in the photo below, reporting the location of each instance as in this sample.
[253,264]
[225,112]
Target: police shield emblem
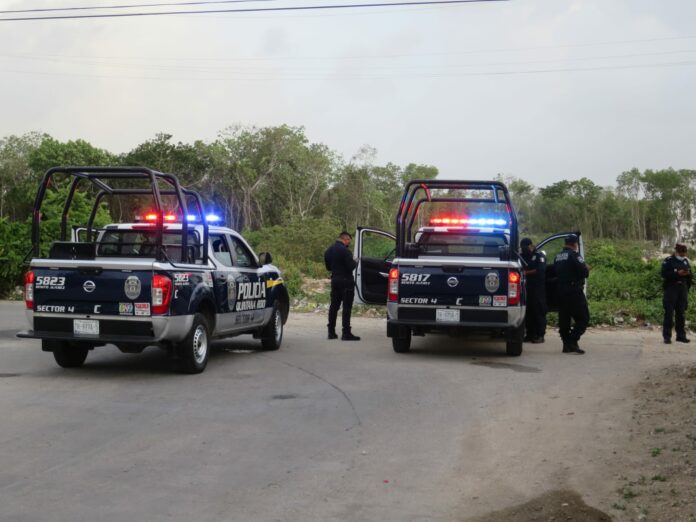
[132,287]
[231,291]
[492,281]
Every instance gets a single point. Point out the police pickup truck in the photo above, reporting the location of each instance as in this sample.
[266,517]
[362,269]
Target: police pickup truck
[169,278]
[453,266]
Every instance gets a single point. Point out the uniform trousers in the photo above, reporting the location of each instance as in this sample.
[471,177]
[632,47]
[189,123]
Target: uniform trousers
[572,307]
[674,301]
[535,320]
[342,293]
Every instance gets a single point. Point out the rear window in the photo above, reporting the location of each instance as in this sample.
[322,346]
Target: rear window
[141,243]
[460,244]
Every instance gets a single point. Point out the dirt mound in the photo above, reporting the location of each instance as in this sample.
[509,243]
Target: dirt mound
[554,506]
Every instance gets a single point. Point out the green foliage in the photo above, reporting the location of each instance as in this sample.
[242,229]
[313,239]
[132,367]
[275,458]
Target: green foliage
[52,153]
[299,240]
[80,209]
[14,245]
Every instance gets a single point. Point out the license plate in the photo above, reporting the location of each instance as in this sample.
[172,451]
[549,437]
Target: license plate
[85,327]
[448,316]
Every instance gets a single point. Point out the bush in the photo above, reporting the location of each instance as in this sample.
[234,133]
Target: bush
[301,241]
[15,243]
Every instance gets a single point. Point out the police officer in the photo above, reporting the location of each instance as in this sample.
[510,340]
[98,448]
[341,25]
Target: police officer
[676,273]
[339,261]
[571,271]
[535,321]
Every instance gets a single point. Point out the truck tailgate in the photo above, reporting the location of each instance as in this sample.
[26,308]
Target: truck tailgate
[454,285]
[93,290]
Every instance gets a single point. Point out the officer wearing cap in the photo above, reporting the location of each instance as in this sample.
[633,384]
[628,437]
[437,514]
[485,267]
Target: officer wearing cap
[677,278]
[571,271]
[535,272]
[339,261]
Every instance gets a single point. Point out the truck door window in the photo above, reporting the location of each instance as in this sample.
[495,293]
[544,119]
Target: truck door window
[244,258]
[220,249]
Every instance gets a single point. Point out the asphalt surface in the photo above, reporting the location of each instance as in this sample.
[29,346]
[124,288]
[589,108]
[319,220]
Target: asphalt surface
[319,430]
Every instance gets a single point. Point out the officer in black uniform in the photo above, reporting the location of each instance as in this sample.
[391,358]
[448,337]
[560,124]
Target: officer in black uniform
[535,321]
[571,271]
[339,261]
[676,273]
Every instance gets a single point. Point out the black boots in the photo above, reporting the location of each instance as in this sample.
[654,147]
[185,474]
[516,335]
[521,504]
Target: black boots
[347,335]
[572,347]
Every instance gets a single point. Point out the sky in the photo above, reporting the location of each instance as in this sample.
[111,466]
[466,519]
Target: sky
[542,90]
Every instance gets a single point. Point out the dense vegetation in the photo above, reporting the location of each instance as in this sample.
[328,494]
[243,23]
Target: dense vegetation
[290,196]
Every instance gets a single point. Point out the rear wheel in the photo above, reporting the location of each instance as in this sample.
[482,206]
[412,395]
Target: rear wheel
[513,346]
[402,341]
[69,355]
[194,350]
[272,335]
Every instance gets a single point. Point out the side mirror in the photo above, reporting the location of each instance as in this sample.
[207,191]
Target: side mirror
[265,258]
[504,252]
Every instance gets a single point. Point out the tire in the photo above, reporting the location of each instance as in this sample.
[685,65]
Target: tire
[402,342]
[272,334]
[513,346]
[194,350]
[69,355]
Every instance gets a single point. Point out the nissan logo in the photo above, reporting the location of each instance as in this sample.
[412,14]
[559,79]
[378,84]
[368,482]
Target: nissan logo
[452,282]
[89,286]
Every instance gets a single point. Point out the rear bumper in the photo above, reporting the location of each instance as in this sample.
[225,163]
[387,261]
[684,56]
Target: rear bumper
[112,329]
[471,318]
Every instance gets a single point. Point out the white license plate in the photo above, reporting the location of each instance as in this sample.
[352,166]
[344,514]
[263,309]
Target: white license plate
[85,327]
[447,316]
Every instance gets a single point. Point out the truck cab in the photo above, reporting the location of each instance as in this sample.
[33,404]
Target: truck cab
[452,267]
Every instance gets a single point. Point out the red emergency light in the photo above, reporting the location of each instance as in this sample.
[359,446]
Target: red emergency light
[447,220]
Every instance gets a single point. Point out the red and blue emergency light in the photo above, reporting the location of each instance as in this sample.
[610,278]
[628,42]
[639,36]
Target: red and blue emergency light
[170,217]
[482,221]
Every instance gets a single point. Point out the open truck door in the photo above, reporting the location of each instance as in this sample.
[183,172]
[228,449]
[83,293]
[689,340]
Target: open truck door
[551,246]
[374,250]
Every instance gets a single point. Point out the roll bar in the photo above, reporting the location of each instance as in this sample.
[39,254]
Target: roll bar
[99,176]
[407,209]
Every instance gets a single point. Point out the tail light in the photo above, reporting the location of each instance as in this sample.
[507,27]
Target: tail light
[393,287]
[161,294]
[514,287]
[29,290]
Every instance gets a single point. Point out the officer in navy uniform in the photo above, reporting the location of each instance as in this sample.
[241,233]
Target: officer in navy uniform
[339,261]
[571,271]
[535,272]
[676,273]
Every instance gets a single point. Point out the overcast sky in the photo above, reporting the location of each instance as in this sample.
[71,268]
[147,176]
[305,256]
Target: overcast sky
[540,89]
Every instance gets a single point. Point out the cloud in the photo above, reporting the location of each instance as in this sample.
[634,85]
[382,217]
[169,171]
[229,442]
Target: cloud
[545,89]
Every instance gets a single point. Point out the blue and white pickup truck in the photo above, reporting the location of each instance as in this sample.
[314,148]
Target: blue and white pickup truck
[167,279]
[453,266]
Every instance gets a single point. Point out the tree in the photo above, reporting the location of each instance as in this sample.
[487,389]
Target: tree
[17,179]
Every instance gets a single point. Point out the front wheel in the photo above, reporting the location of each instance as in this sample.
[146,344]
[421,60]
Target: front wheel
[272,335]
[195,348]
[69,355]
[402,342]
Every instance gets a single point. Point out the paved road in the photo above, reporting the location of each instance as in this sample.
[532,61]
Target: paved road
[320,430]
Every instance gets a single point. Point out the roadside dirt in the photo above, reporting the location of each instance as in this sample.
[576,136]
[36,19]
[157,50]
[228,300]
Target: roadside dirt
[654,470]
[658,478]
[558,505]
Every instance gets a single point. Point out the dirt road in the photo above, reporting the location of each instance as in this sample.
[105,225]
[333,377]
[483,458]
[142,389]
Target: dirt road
[320,430]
